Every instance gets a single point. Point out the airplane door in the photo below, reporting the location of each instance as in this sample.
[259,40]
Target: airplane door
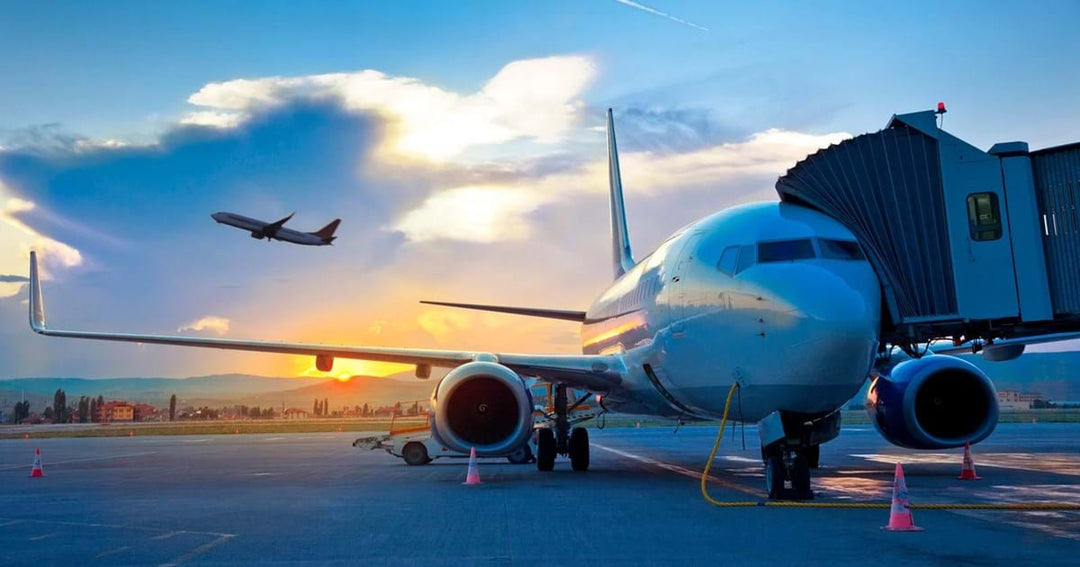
[680,298]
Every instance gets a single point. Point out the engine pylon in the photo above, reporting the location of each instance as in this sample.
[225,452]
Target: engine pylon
[967,470]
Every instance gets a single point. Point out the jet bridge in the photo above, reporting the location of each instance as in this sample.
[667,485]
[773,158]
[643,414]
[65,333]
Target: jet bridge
[967,243]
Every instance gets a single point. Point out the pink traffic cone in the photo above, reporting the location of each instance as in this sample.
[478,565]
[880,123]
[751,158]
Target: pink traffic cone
[900,519]
[967,470]
[474,473]
[37,471]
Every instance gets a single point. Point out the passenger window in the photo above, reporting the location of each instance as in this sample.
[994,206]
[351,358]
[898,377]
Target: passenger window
[840,249]
[728,260]
[746,258]
[984,216]
[785,250]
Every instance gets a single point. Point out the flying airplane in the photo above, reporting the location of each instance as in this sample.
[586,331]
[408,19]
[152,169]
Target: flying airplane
[776,297]
[276,230]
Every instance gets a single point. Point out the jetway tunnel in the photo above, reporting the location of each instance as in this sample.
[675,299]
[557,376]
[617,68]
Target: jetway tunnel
[966,243]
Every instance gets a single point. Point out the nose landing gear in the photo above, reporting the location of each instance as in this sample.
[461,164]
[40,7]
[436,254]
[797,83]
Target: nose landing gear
[785,465]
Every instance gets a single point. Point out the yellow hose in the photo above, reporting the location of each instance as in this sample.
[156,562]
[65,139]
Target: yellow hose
[849,505]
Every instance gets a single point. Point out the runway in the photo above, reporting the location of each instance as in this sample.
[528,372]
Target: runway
[313,499]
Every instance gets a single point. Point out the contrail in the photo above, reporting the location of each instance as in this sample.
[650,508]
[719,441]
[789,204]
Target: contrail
[656,12]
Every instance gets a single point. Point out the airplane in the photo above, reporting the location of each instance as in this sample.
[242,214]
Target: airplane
[776,297]
[277,231]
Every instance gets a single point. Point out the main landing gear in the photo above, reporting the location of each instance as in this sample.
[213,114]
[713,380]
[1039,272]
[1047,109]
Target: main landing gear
[560,439]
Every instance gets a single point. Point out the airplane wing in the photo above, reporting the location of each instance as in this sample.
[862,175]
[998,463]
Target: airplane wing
[974,347]
[596,373]
[274,226]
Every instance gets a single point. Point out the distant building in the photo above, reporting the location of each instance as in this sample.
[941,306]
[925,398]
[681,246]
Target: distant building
[295,413]
[116,411]
[1012,399]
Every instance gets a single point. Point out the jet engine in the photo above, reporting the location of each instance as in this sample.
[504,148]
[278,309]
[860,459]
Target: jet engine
[934,402]
[482,405]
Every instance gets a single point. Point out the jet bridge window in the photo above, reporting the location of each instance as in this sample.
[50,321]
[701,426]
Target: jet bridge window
[785,250]
[839,249]
[984,216]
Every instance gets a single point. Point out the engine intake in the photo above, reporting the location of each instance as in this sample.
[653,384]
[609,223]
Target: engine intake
[935,402]
[482,405]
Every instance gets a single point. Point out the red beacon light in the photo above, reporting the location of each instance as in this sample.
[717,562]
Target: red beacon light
[941,108]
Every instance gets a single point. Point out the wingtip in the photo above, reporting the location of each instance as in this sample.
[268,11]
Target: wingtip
[37,307]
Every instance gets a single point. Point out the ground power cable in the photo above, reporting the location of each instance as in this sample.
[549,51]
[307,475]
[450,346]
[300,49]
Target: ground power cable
[1033,506]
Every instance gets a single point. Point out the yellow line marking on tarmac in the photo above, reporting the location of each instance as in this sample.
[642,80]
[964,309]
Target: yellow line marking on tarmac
[50,463]
[682,470]
[109,552]
[198,551]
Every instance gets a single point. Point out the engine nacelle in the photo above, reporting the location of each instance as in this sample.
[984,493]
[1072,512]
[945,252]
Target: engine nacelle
[482,405]
[934,402]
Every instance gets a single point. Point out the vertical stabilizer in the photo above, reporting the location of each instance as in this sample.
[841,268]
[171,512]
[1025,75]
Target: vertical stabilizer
[620,236]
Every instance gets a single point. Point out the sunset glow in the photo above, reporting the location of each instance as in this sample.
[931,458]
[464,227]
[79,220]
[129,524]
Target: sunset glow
[344,369]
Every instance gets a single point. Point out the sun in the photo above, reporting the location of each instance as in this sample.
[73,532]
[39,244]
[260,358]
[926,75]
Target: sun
[346,369]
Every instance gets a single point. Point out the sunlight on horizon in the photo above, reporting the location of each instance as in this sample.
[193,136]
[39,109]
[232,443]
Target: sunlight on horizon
[345,369]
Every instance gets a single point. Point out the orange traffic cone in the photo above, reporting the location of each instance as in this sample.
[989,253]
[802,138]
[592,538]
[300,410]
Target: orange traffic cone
[967,470]
[474,474]
[26,436]
[37,470]
[131,433]
[900,519]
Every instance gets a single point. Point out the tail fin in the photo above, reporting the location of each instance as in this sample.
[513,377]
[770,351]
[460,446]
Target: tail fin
[327,232]
[620,235]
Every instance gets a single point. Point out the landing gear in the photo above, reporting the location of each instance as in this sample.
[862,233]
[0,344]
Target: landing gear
[579,449]
[784,465]
[545,449]
[415,454]
[813,456]
[559,439]
[521,456]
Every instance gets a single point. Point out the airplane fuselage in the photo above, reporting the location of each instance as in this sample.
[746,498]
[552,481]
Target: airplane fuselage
[796,321]
[261,229]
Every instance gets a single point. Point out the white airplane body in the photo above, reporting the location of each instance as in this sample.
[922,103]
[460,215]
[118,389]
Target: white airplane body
[775,297]
[277,231]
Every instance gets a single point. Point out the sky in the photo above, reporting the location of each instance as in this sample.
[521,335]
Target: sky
[461,144]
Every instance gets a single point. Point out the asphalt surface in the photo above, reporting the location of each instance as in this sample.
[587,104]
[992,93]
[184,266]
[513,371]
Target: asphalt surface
[313,499]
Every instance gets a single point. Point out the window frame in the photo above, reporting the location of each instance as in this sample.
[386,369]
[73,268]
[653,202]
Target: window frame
[977,230]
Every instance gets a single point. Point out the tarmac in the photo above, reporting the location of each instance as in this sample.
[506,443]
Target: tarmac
[313,499]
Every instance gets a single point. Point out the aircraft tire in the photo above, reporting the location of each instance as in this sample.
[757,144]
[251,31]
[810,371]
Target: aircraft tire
[813,456]
[800,476]
[521,456]
[545,449]
[774,476]
[579,449]
[415,454]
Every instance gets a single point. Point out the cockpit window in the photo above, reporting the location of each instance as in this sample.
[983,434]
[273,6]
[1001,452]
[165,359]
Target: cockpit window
[840,249]
[728,260]
[785,250]
[746,258]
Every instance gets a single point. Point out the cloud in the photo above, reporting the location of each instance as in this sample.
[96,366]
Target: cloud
[11,278]
[17,239]
[211,323]
[656,12]
[501,212]
[471,214]
[531,99]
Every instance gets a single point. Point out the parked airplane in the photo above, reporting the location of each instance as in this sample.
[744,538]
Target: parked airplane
[277,231]
[776,297]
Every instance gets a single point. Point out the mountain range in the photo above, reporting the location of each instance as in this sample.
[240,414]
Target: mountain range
[1055,375]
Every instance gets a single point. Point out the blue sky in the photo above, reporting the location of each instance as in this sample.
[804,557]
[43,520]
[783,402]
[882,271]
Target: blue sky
[458,141]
